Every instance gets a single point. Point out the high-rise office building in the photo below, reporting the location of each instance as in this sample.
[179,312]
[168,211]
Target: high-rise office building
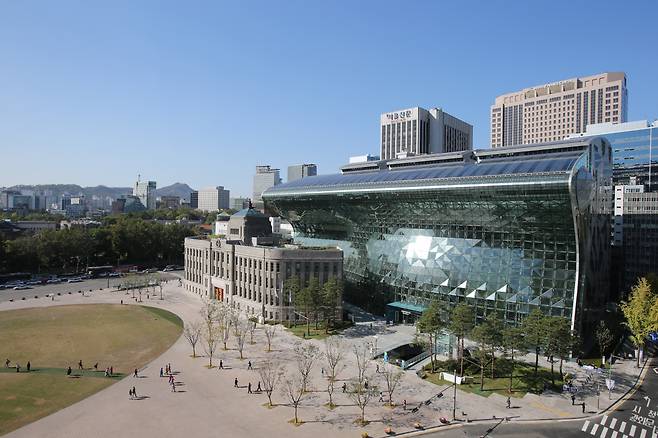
[417,131]
[553,111]
[264,178]
[239,203]
[213,199]
[145,191]
[300,171]
[194,199]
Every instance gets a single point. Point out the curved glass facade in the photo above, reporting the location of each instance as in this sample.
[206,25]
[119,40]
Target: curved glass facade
[507,235]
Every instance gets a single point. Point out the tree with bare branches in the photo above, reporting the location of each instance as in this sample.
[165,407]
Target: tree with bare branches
[241,330]
[270,331]
[334,354]
[270,374]
[252,328]
[293,389]
[392,376]
[211,339]
[361,394]
[306,354]
[192,333]
[362,361]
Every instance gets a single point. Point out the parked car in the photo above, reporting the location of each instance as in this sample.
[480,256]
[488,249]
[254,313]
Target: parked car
[114,274]
[74,280]
[54,281]
[22,287]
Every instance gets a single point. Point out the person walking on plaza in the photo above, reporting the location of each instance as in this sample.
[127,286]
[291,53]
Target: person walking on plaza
[96,366]
[134,392]
[7,362]
[130,393]
[249,366]
[161,372]
[258,389]
[381,396]
[29,366]
[173,386]
[68,371]
[509,402]
[235,383]
[249,388]
[18,367]
[80,365]
[404,404]
[573,399]
[344,387]
[221,364]
[111,371]
[135,373]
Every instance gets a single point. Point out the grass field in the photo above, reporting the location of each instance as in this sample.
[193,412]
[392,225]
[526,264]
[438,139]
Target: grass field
[319,333]
[53,338]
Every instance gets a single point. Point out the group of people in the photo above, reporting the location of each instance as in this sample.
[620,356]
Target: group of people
[18,366]
[167,371]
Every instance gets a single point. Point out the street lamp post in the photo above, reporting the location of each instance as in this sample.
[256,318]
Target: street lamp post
[454,395]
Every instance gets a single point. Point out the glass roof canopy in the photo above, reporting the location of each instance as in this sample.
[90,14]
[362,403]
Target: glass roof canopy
[552,166]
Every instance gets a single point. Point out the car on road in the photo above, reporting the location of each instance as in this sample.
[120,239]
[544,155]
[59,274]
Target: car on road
[114,274]
[22,287]
[54,281]
[74,280]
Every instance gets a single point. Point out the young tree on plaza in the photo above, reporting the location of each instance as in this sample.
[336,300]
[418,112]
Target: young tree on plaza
[362,360]
[293,389]
[270,331]
[513,342]
[361,394]
[252,328]
[494,327]
[306,354]
[558,341]
[270,374]
[481,336]
[314,295]
[192,333]
[460,325]
[392,377]
[331,293]
[303,300]
[292,289]
[534,327]
[241,331]
[638,310]
[211,339]
[334,353]
[431,324]
[605,338]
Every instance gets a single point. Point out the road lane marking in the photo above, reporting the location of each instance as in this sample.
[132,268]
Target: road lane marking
[632,431]
[622,427]
[643,433]
[614,434]
[613,422]
[603,420]
[585,426]
[594,429]
[605,432]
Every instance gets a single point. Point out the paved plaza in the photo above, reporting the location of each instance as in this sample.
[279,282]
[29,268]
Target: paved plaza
[207,404]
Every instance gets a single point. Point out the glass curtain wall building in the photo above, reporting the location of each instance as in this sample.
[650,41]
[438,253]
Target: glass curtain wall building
[507,230]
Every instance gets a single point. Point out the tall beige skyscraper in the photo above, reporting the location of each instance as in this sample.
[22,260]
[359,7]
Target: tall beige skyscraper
[552,111]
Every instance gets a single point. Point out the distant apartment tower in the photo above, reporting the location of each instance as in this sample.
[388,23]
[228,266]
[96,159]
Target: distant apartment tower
[145,191]
[300,171]
[264,178]
[213,199]
[417,131]
[553,111]
[239,203]
[194,200]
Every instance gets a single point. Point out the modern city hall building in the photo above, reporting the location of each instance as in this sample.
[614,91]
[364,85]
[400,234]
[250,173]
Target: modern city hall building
[509,230]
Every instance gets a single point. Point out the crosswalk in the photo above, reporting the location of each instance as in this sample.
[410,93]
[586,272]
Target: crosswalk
[612,428]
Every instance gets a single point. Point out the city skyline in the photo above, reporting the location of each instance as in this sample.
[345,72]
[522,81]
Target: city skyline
[183,84]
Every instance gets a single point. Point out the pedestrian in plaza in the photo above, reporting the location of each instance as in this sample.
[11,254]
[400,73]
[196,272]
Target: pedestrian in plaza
[68,371]
[171,378]
[377,369]
[344,387]
[583,405]
[573,399]
[173,386]
[235,383]
[258,387]
[249,388]
[161,372]
[249,365]
[130,393]
[134,392]
[111,370]
[322,371]
[29,366]
[381,396]
[135,373]
[80,365]
[404,404]
[96,366]
[509,402]
[18,367]
[365,384]
[107,372]
[7,362]
[221,364]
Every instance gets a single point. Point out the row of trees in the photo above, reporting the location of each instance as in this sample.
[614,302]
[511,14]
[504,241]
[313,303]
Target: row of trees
[119,240]
[315,302]
[536,333]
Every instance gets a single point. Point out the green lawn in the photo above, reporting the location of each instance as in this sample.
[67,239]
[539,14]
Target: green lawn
[319,333]
[53,338]
[524,379]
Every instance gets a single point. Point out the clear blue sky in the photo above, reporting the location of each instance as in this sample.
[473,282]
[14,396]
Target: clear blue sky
[201,92]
